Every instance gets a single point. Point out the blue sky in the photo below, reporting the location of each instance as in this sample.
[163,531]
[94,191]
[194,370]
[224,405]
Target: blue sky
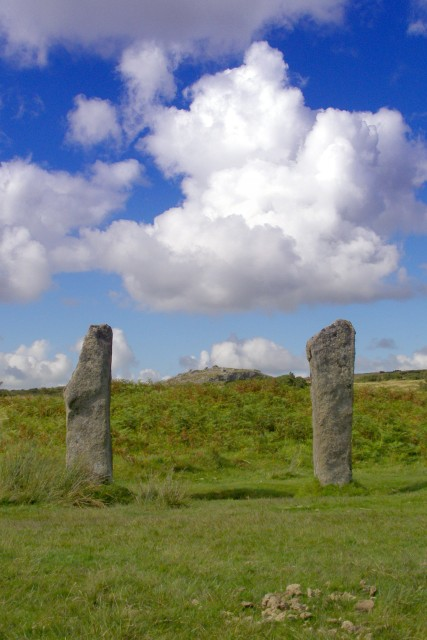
[217,181]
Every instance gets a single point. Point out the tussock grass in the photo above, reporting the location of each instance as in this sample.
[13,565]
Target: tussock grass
[167,490]
[30,476]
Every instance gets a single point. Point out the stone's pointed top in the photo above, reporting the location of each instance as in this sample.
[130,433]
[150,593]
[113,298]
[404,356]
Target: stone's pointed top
[331,333]
[96,348]
[100,330]
[101,327]
[338,325]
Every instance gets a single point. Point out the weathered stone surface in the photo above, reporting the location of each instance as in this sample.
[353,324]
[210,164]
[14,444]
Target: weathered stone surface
[331,356]
[87,403]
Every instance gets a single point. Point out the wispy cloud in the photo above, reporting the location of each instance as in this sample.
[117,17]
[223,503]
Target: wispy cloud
[383,343]
[418,22]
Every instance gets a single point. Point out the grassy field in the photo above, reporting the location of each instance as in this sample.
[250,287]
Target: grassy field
[221,510]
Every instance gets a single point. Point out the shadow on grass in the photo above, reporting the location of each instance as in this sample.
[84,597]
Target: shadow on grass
[242,493]
[411,488]
[310,489]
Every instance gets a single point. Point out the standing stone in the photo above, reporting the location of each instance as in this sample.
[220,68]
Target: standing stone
[331,356]
[87,403]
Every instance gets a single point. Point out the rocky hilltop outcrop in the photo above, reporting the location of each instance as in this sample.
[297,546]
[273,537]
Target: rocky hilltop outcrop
[215,374]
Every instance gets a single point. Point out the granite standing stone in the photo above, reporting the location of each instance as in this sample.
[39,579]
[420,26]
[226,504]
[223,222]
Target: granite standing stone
[87,402]
[331,356]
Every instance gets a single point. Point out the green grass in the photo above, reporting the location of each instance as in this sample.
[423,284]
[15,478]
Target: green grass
[213,504]
[148,571]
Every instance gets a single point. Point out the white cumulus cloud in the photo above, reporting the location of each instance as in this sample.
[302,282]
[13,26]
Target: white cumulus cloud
[393,362]
[24,269]
[123,360]
[147,72]
[252,353]
[31,367]
[40,207]
[418,360]
[149,375]
[92,121]
[283,205]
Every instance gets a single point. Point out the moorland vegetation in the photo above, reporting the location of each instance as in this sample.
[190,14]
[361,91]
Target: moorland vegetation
[213,506]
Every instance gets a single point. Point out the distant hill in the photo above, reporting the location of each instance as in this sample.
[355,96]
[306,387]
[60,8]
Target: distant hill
[379,376]
[215,374]
[228,374]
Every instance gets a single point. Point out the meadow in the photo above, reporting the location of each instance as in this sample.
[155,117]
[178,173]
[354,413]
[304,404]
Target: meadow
[213,507]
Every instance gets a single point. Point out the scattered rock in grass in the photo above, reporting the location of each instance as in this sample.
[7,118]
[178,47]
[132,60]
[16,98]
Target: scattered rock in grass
[296,605]
[281,606]
[348,626]
[301,605]
[305,615]
[247,605]
[276,615]
[365,606]
[274,601]
[370,589]
[280,616]
[293,590]
[292,616]
[345,596]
